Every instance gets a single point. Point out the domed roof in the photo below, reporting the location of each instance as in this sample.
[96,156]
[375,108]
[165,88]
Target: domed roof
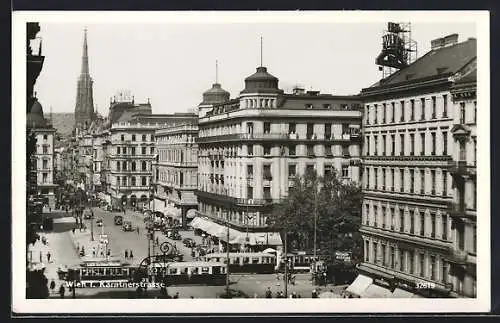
[261,75]
[215,95]
[261,81]
[35,118]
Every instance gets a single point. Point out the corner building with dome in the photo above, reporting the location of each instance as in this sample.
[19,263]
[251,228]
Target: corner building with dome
[252,147]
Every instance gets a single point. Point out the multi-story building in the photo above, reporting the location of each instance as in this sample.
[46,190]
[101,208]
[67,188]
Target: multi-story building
[407,131]
[252,147]
[128,138]
[131,156]
[43,157]
[176,171]
[463,171]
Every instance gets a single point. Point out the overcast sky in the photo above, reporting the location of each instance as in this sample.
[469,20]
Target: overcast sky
[173,64]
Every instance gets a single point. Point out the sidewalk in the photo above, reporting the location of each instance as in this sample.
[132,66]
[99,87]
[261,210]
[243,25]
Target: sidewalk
[83,239]
[61,254]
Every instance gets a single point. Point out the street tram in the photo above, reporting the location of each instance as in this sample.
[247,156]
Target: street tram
[300,262]
[93,272]
[189,273]
[246,262]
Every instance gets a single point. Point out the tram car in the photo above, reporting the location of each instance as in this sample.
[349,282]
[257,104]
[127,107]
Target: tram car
[189,273]
[93,273]
[246,262]
[299,262]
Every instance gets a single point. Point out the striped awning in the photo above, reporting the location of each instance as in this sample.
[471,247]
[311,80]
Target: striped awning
[235,236]
[359,285]
[375,291]
[401,293]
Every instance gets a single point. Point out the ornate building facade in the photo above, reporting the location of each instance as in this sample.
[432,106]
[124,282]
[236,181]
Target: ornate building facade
[408,149]
[463,208]
[252,147]
[176,171]
[84,108]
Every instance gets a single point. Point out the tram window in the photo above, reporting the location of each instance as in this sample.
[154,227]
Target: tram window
[83,272]
[255,260]
[125,271]
[204,270]
[173,271]
[236,260]
[186,271]
[195,271]
[246,260]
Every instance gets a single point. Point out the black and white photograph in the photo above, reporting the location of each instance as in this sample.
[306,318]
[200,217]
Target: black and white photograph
[198,162]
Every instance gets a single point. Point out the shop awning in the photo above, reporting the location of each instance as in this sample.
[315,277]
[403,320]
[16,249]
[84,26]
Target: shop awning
[191,214]
[401,293]
[172,211]
[235,236]
[265,238]
[375,291]
[359,285]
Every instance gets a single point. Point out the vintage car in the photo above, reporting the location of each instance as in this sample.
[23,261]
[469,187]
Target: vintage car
[99,222]
[127,226]
[118,220]
[188,242]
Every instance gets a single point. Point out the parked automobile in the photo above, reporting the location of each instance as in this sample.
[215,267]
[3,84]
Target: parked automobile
[87,215]
[188,242]
[127,226]
[99,222]
[176,236]
[118,220]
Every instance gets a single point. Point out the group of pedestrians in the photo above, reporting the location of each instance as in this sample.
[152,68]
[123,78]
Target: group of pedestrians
[129,254]
[281,294]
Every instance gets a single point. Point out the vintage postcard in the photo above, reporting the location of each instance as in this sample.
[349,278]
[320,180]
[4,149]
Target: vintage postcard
[251,162]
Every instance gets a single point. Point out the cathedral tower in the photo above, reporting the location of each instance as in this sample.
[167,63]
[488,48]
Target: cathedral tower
[84,109]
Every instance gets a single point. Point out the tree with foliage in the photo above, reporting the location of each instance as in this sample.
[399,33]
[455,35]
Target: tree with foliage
[328,203]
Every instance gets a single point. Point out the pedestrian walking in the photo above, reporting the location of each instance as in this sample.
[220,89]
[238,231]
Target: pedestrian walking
[131,255]
[62,290]
[314,294]
[48,256]
[73,230]
[269,294]
[157,241]
[93,252]
[176,295]
[108,252]
[52,286]
[137,229]
[126,254]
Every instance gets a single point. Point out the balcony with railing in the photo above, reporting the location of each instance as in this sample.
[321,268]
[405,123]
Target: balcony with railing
[235,200]
[460,167]
[272,136]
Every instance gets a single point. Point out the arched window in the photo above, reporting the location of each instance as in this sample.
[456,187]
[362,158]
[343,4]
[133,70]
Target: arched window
[133,165]
[144,165]
[117,165]
[124,165]
[133,181]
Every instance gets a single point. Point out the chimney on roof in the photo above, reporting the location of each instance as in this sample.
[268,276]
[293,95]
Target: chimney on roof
[437,43]
[446,41]
[298,90]
[450,40]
